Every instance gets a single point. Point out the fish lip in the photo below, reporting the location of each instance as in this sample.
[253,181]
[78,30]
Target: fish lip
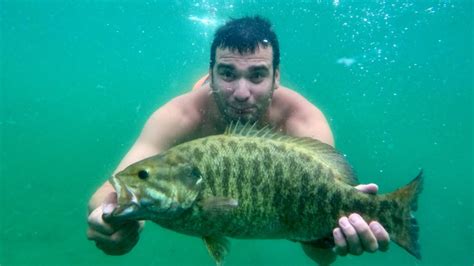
[129,207]
[133,211]
[114,181]
[123,210]
[124,194]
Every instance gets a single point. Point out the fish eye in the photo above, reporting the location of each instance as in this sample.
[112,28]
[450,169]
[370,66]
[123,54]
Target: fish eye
[143,174]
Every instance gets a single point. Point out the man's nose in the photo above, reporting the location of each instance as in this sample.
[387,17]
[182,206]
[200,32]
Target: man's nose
[242,92]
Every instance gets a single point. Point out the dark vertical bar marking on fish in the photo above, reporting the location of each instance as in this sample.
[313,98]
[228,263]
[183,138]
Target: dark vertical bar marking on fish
[384,210]
[254,182]
[198,154]
[288,202]
[304,194]
[210,178]
[225,175]
[232,145]
[267,158]
[317,171]
[214,151]
[249,147]
[306,158]
[372,207]
[280,148]
[278,177]
[384,205]
[292,163]
[358,206]
[336,200]
[241,176]
[321,200]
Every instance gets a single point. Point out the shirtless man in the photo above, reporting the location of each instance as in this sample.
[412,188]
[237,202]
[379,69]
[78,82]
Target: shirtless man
[243,84]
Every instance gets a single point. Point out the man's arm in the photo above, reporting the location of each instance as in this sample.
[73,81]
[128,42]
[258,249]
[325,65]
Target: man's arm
[162,130]
[354,235]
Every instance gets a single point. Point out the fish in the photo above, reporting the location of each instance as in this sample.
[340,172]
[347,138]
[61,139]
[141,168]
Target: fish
[250,183]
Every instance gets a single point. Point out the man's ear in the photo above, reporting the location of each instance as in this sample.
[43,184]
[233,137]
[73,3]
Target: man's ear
[277,78]
[211,79]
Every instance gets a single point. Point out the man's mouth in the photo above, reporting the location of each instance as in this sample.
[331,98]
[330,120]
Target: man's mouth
[242,110]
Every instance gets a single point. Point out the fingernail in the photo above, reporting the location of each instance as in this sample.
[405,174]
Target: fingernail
[354,217]
[344,222]
[376,227]
[107,209]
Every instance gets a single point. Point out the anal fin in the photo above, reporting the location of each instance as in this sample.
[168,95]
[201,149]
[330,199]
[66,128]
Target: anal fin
[218,247]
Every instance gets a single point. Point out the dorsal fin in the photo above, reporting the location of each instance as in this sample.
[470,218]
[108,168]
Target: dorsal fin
[325,154]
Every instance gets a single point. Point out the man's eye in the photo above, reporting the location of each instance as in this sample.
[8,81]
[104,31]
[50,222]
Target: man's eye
[227,75]
[257,77]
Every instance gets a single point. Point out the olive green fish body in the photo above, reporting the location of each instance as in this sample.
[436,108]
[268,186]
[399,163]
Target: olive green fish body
[258,184]
[282,192]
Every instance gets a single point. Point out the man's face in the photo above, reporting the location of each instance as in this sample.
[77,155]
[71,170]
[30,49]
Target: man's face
[243,85]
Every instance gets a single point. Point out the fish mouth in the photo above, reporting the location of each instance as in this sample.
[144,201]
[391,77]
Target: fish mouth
[124,194]
[125,212]
[128,207]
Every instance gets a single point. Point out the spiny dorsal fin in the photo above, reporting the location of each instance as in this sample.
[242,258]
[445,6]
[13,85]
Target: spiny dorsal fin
[325,154]
[328,156]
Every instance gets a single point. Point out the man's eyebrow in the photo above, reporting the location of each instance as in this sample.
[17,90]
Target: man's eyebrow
[223,65]
[259,68]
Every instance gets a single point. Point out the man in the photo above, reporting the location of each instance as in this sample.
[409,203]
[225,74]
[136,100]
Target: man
[243,85]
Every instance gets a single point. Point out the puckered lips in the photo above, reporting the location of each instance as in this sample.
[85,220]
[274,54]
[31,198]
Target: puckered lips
[242,110]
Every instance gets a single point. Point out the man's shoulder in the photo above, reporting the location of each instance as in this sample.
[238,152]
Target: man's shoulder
[286,92]
[183,110]
[188,104]
[291,102]
[177,120]
[297,116]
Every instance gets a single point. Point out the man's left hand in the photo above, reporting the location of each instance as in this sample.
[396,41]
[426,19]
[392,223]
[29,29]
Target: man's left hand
[354,235]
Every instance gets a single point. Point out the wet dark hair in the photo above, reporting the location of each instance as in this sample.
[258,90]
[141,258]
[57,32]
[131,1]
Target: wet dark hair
[245,35]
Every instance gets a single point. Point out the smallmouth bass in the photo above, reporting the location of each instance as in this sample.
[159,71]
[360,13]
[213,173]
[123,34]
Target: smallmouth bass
[257,184]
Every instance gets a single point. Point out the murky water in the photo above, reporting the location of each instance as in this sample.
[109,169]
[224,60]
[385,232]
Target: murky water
[79,78]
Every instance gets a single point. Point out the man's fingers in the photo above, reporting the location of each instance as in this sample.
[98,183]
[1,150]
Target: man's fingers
[129,229]
[368,188]
[381,235]
[108,206]
[121,249]
[352,238]
[96,223]
[111,198]
[366,237]
[340,241]
[97,236]
[119,242]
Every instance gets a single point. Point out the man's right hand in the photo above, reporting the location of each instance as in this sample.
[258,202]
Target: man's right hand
[114,238]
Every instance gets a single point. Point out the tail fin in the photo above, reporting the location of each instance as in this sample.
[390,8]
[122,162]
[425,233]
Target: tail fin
[405,228]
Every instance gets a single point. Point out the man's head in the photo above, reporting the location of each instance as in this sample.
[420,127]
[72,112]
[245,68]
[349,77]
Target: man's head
[244,35]
[244,68]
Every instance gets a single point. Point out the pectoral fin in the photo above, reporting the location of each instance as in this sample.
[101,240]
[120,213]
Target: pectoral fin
[218,204]
[218,247]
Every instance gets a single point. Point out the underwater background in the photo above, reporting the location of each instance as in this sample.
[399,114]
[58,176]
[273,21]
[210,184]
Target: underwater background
[79,79]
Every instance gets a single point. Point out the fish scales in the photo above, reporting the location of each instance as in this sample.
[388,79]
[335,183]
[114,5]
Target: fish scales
[276,194]
[244,184]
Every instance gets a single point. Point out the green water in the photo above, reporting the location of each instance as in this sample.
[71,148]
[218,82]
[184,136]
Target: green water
[79,78]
